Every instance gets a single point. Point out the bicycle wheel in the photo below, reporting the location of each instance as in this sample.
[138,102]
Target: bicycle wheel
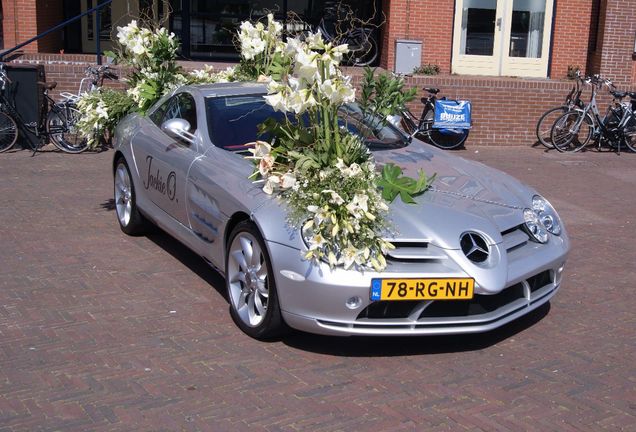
[8,132]
[60,126]
[545,123]
[570,132]
[446,139]
[630,134]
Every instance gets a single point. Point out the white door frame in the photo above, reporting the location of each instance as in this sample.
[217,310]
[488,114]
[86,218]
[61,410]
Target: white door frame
[501,63]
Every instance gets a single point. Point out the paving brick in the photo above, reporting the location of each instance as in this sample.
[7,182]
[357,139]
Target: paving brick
[87,340]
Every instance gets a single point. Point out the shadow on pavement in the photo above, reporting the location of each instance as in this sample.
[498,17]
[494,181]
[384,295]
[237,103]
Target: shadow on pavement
[357,346]
[191,260]
[108,205]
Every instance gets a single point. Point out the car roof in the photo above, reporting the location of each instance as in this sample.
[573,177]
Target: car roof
[228,89]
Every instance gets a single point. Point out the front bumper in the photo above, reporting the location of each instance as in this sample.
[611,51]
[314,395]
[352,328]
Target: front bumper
[317,299]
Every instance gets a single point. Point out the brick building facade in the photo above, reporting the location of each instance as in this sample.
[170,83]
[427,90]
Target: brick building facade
[596,35]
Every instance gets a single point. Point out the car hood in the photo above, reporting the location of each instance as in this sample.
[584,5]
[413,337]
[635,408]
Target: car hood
[464,195]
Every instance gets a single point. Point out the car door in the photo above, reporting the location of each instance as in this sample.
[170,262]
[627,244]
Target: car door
[163,161]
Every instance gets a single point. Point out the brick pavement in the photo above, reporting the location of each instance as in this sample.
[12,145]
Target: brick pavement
[99,331]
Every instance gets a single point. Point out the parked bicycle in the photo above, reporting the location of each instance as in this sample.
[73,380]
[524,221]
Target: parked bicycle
[572,101]
[617,128]
[422,128]
[56,121]
[339,25]
[93,79]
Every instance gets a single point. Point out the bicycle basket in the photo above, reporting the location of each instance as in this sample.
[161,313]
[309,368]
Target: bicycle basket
[452,114]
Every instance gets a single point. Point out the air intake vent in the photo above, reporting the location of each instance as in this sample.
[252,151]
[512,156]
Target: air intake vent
[407,250]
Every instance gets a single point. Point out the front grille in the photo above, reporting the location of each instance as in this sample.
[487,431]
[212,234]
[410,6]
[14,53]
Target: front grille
[478,305]
[389,309]
[540,280]
[421,311]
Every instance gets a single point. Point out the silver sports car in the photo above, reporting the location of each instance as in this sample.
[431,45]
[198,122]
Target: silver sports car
[478,250]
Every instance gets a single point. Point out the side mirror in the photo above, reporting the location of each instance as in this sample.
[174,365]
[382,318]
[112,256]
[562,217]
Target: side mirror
[178,128]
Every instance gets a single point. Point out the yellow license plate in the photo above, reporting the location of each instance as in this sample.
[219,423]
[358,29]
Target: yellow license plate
[422,289]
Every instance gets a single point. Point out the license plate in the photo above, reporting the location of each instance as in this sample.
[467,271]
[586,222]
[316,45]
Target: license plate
[422,289]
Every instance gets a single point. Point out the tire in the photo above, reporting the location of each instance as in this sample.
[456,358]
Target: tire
[8,132]
[565,139]
[60,125]
[131,221]
[545,123]
[446,139]
[630,134]
[251,287]
[368,52]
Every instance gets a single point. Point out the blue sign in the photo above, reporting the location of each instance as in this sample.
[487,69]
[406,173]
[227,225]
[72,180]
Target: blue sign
[452,114]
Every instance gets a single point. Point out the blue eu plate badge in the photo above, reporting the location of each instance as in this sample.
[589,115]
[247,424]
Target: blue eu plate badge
[376,289]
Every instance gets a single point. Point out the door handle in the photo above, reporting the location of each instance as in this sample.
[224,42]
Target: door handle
[499,21]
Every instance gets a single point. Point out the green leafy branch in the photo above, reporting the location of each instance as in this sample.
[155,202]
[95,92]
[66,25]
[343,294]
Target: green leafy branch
[393,183]
[384,95]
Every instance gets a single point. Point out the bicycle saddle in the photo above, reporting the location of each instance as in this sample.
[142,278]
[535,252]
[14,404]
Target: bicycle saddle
[432,90]
[618,94]
[48,85]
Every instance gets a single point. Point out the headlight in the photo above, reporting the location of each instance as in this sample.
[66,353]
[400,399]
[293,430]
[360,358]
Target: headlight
[547,214]
[541,219]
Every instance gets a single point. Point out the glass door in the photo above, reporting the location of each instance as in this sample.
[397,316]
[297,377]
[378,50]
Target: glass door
[477,40]
[527,36]
[502,37]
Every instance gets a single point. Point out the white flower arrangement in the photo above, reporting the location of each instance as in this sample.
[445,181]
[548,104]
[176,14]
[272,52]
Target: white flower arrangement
[152,56]
[260,40]
[209,75]
[328,181]
[325,174]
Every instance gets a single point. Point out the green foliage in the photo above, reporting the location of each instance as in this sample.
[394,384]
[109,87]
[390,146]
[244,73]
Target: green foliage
[101,111]
[393,183]
[427,69]
[305,149]
[383,95]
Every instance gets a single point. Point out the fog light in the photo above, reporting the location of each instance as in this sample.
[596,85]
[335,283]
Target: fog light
[353,302]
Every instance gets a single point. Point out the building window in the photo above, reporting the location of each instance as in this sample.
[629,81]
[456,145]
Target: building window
[500,37]
[105,21]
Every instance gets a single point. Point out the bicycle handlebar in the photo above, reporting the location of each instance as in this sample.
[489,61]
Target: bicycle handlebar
[101,72]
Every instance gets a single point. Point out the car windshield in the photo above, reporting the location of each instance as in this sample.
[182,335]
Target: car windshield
[233,122]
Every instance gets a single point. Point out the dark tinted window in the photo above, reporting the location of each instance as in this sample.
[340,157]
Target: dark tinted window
[157,115]
[233,121]
[178,106]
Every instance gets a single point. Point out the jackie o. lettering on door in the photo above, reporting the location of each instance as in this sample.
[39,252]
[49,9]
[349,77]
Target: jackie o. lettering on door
[155,181]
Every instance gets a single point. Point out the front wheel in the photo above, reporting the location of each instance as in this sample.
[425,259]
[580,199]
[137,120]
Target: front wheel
[61,127]
[571,132]
[250,283]
[8,132]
